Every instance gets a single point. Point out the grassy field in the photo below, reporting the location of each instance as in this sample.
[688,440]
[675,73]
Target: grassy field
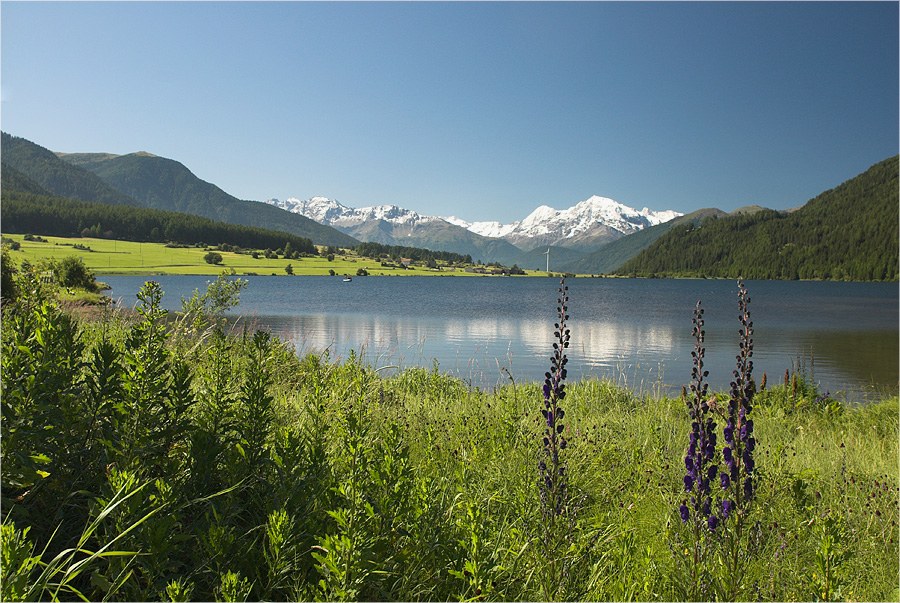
[126,257]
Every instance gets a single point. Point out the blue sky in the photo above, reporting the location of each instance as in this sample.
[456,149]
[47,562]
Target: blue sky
[481,110]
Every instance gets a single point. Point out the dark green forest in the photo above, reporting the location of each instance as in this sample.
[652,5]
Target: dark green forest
[375,250]
[25,212]
[846,233]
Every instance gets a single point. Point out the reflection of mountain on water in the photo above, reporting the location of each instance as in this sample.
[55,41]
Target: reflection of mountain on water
[602,344]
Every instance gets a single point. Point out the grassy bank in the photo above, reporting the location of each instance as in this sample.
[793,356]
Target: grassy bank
[110,257]
[185,463]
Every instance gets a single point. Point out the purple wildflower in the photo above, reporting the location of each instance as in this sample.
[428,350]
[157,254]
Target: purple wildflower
[699,460]
[553,472]
[738,433]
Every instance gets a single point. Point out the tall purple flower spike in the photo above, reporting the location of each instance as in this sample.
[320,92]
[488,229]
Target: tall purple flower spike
[738,433]
[699,460]
[552,481]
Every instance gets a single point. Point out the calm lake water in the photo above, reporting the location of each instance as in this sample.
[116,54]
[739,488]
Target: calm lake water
[635,331]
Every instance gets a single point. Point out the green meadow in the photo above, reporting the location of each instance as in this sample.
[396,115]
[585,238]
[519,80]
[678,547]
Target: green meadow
[126,257]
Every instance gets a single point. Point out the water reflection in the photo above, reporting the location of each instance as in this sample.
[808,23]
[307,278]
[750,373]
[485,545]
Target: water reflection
[635,331]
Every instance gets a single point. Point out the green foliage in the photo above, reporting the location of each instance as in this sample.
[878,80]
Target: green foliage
[847,233]
[8,271]
[71,272]
[213,258]
[208,309]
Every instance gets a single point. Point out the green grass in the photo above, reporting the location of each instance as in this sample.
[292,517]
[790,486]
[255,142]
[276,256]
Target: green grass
[239,470]
[109,257]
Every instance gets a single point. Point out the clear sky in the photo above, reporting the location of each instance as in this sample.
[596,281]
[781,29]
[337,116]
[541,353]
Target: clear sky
[481,110]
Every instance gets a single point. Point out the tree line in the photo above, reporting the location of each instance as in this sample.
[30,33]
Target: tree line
[396,252]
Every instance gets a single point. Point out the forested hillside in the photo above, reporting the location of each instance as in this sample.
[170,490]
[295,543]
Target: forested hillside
[28,213]
[14,180]
[44,168]
[847,233]
[161,183]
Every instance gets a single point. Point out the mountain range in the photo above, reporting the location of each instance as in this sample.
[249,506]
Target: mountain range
[847,232]
[579,229]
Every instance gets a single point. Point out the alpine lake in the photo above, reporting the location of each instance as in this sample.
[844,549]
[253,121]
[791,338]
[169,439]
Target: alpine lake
[490,331]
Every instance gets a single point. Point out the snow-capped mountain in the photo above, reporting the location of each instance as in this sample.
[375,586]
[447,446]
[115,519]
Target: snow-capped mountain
[584,226]
[332,213]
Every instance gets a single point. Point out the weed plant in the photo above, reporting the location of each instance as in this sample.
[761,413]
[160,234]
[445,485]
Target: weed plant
[150,457]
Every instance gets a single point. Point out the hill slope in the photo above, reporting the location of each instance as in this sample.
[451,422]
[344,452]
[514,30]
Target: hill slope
[166,184]
[12,179]
[847,233]
[614,254]
[57,177]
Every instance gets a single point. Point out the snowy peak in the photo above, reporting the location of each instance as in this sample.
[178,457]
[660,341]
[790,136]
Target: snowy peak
[593,220]
[332,213]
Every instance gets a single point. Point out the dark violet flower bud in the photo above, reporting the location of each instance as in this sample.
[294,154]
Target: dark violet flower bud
[751,444]
[706,509]
[748,488]
[748,462]
[726,508]
[688,483]
[712,522]
[725,480]
[726,454]
[711,472]
[688,463]
[685,514]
